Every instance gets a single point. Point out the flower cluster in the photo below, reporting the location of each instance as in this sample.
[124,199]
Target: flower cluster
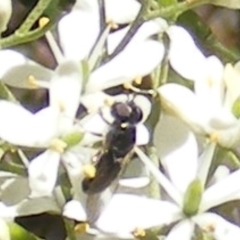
[147,152]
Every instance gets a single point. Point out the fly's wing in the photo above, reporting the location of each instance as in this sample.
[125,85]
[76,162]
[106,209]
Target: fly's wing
[107,169]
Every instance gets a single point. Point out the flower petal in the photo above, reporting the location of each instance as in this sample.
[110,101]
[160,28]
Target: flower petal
[4,230]
[142,135]
[17,190]
[188,108]
[123,11]
[74,210]
[21,127]
[218,226]
[187,61]
[221,192]
[43,172]
[231,79]
[7,212]
[145,31]
[37,206]
[132,62]
[16,69]
[185,229]
[135,175]
[138,212]
[77,40]
[73,163]
[65,91]
[210,89]
[178,151]
[139,58]
[5,15]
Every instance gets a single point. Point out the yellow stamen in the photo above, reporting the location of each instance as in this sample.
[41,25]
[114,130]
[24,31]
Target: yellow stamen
[138,80]
[139,233]
[209,228]
[43,22]
[109,101]
[112,24]
[89,171]
[81,228]
[32,81]
[129,86]
[214,137]
[58,145]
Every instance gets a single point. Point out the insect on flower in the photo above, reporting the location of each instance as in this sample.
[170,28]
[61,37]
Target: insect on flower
[118,146]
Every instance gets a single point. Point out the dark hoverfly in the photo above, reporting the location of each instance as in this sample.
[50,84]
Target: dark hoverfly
[119,142]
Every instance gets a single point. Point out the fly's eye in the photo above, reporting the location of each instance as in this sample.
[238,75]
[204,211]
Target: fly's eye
[136,115]
[127,112]
[121,112]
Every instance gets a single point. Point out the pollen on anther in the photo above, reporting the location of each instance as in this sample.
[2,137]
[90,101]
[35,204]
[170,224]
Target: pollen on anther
[214,137]
[43,21]
[58,145]
[112,24]
[89,171]
[32,81]
[209,228]
[81,227]
[109,102]
[138,80]
[139,233]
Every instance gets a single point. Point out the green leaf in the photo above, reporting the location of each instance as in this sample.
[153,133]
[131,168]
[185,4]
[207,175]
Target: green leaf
[234,4]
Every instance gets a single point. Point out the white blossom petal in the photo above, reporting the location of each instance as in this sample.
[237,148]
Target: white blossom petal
[21,127]
[218,226]
[138,212]
[117,11]
[231,79]
[146,30]
[188,108]
[16,69]
[76,39]
[7,212]
[5,14]
[136,175]
[74,210]
[210,89]
[188,61]
[221,192]
[65,91]
[43,172]
[142,135]
[178,151]
[37,206]
[17,189]
[73,164]
[132,62]
[4,230]
[185,229]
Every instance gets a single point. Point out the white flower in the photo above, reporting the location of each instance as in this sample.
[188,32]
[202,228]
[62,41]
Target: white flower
[45,128]
[15,203]
[179,154]
[5,14]
[209,109]
[140,56]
